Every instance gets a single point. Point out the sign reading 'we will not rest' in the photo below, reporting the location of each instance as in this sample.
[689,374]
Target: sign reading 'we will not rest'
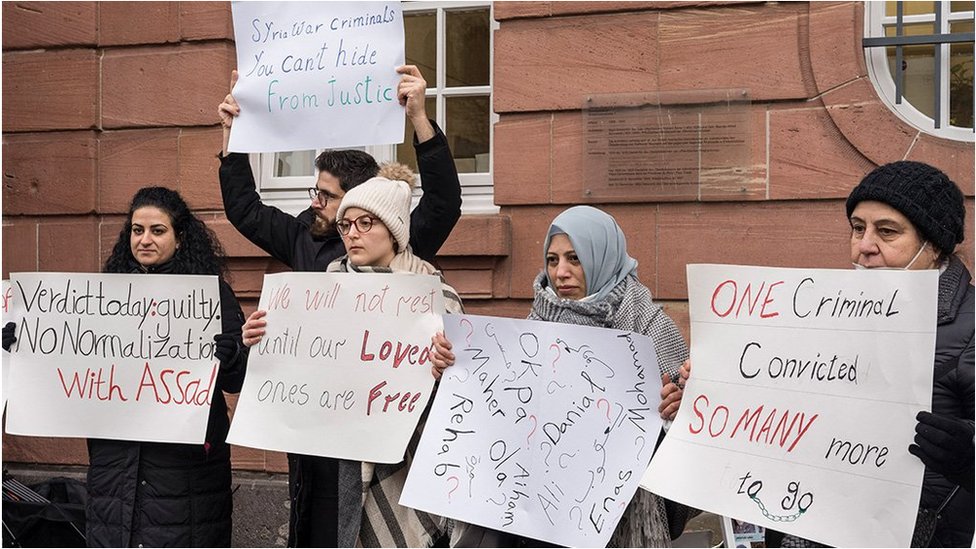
[802,401]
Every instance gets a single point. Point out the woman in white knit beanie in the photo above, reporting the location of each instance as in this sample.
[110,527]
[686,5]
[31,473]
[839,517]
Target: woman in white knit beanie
[374,221]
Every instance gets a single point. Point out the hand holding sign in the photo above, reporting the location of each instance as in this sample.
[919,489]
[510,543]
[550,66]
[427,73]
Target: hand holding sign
[442,357]
[412,94]
[228,110]
[8,335]
[671,392]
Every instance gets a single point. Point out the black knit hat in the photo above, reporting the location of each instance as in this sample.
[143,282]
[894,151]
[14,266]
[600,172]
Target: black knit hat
[923,194]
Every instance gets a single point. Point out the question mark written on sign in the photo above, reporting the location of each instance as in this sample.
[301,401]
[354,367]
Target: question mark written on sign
[558,354]
[467,338]
[535,423]
[457,482]
[642,444]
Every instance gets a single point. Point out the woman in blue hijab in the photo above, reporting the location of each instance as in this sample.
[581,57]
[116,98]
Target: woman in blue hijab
[589,279]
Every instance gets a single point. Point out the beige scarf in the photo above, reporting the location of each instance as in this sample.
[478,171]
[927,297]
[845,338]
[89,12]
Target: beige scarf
[377,519]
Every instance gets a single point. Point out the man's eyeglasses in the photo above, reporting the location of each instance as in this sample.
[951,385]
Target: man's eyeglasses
[363,224]
[315,193]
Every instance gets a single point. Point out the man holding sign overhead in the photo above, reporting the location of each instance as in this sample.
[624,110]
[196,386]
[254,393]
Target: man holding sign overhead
[341,39]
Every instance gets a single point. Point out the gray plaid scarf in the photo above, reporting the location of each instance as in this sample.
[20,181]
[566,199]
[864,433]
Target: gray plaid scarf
[627,307]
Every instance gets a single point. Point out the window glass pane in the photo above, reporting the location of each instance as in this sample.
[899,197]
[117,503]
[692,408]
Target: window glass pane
[914,29]
[294,163]
[961,6]
[919,73]
[961,78]
[467,55]
[910,8]
[420,30]
[468,124]
[405,153]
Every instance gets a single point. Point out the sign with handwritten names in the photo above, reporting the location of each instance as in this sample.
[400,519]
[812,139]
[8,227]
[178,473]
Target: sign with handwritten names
[115,356]
[8,301]
[540,429]
[802,401]
[344,367]
[317,75]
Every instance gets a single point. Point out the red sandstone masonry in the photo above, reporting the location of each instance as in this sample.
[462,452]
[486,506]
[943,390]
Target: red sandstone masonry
[810,158]
[50,90]
[47,24]
[68,246]
[206,21]
[867,123]
[46,450]
[19,246]
[526,137]
[754,46]
[36,185]
[836,56]
[783,234]
[164,86]
[554,63]
[954,158]
[479,235]
[136,23]
[514,10]
[131,159]
[198,173]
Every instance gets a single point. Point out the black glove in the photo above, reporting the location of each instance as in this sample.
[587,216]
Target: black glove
[945,445]
[226,348]
[8,335]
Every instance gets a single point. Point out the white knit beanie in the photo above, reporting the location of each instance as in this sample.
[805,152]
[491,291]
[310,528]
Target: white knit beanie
[386,199]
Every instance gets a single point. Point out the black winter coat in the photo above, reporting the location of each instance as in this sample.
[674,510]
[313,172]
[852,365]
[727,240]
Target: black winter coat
[166,494]
[952,395]
[288,239]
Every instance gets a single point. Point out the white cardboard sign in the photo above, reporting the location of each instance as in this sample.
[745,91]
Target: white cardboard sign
[540,428]
[802,401]
[343,370]
[8,301]
[115,356]
[317,75]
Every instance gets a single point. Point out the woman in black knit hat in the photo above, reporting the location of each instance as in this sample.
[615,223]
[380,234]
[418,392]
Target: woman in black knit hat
[909,215]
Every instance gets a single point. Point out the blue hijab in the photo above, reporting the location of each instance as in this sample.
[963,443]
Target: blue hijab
[600,245]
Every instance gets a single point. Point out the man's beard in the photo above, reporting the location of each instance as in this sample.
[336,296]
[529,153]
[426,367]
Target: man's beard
[323,229]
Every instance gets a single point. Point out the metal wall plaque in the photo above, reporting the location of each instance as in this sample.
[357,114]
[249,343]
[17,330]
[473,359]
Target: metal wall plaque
[676,145]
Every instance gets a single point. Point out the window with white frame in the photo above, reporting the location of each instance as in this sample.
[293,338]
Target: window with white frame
[451,44]
[920,59]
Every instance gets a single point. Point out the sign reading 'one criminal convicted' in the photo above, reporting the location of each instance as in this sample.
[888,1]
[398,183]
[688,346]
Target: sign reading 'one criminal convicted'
[802,401]
[113,356]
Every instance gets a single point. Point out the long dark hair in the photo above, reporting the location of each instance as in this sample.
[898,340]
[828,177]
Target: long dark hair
[199,251]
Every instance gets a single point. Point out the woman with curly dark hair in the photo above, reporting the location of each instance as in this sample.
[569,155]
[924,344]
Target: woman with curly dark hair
[166,494]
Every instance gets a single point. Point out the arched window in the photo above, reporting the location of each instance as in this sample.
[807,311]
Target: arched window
[920,59]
